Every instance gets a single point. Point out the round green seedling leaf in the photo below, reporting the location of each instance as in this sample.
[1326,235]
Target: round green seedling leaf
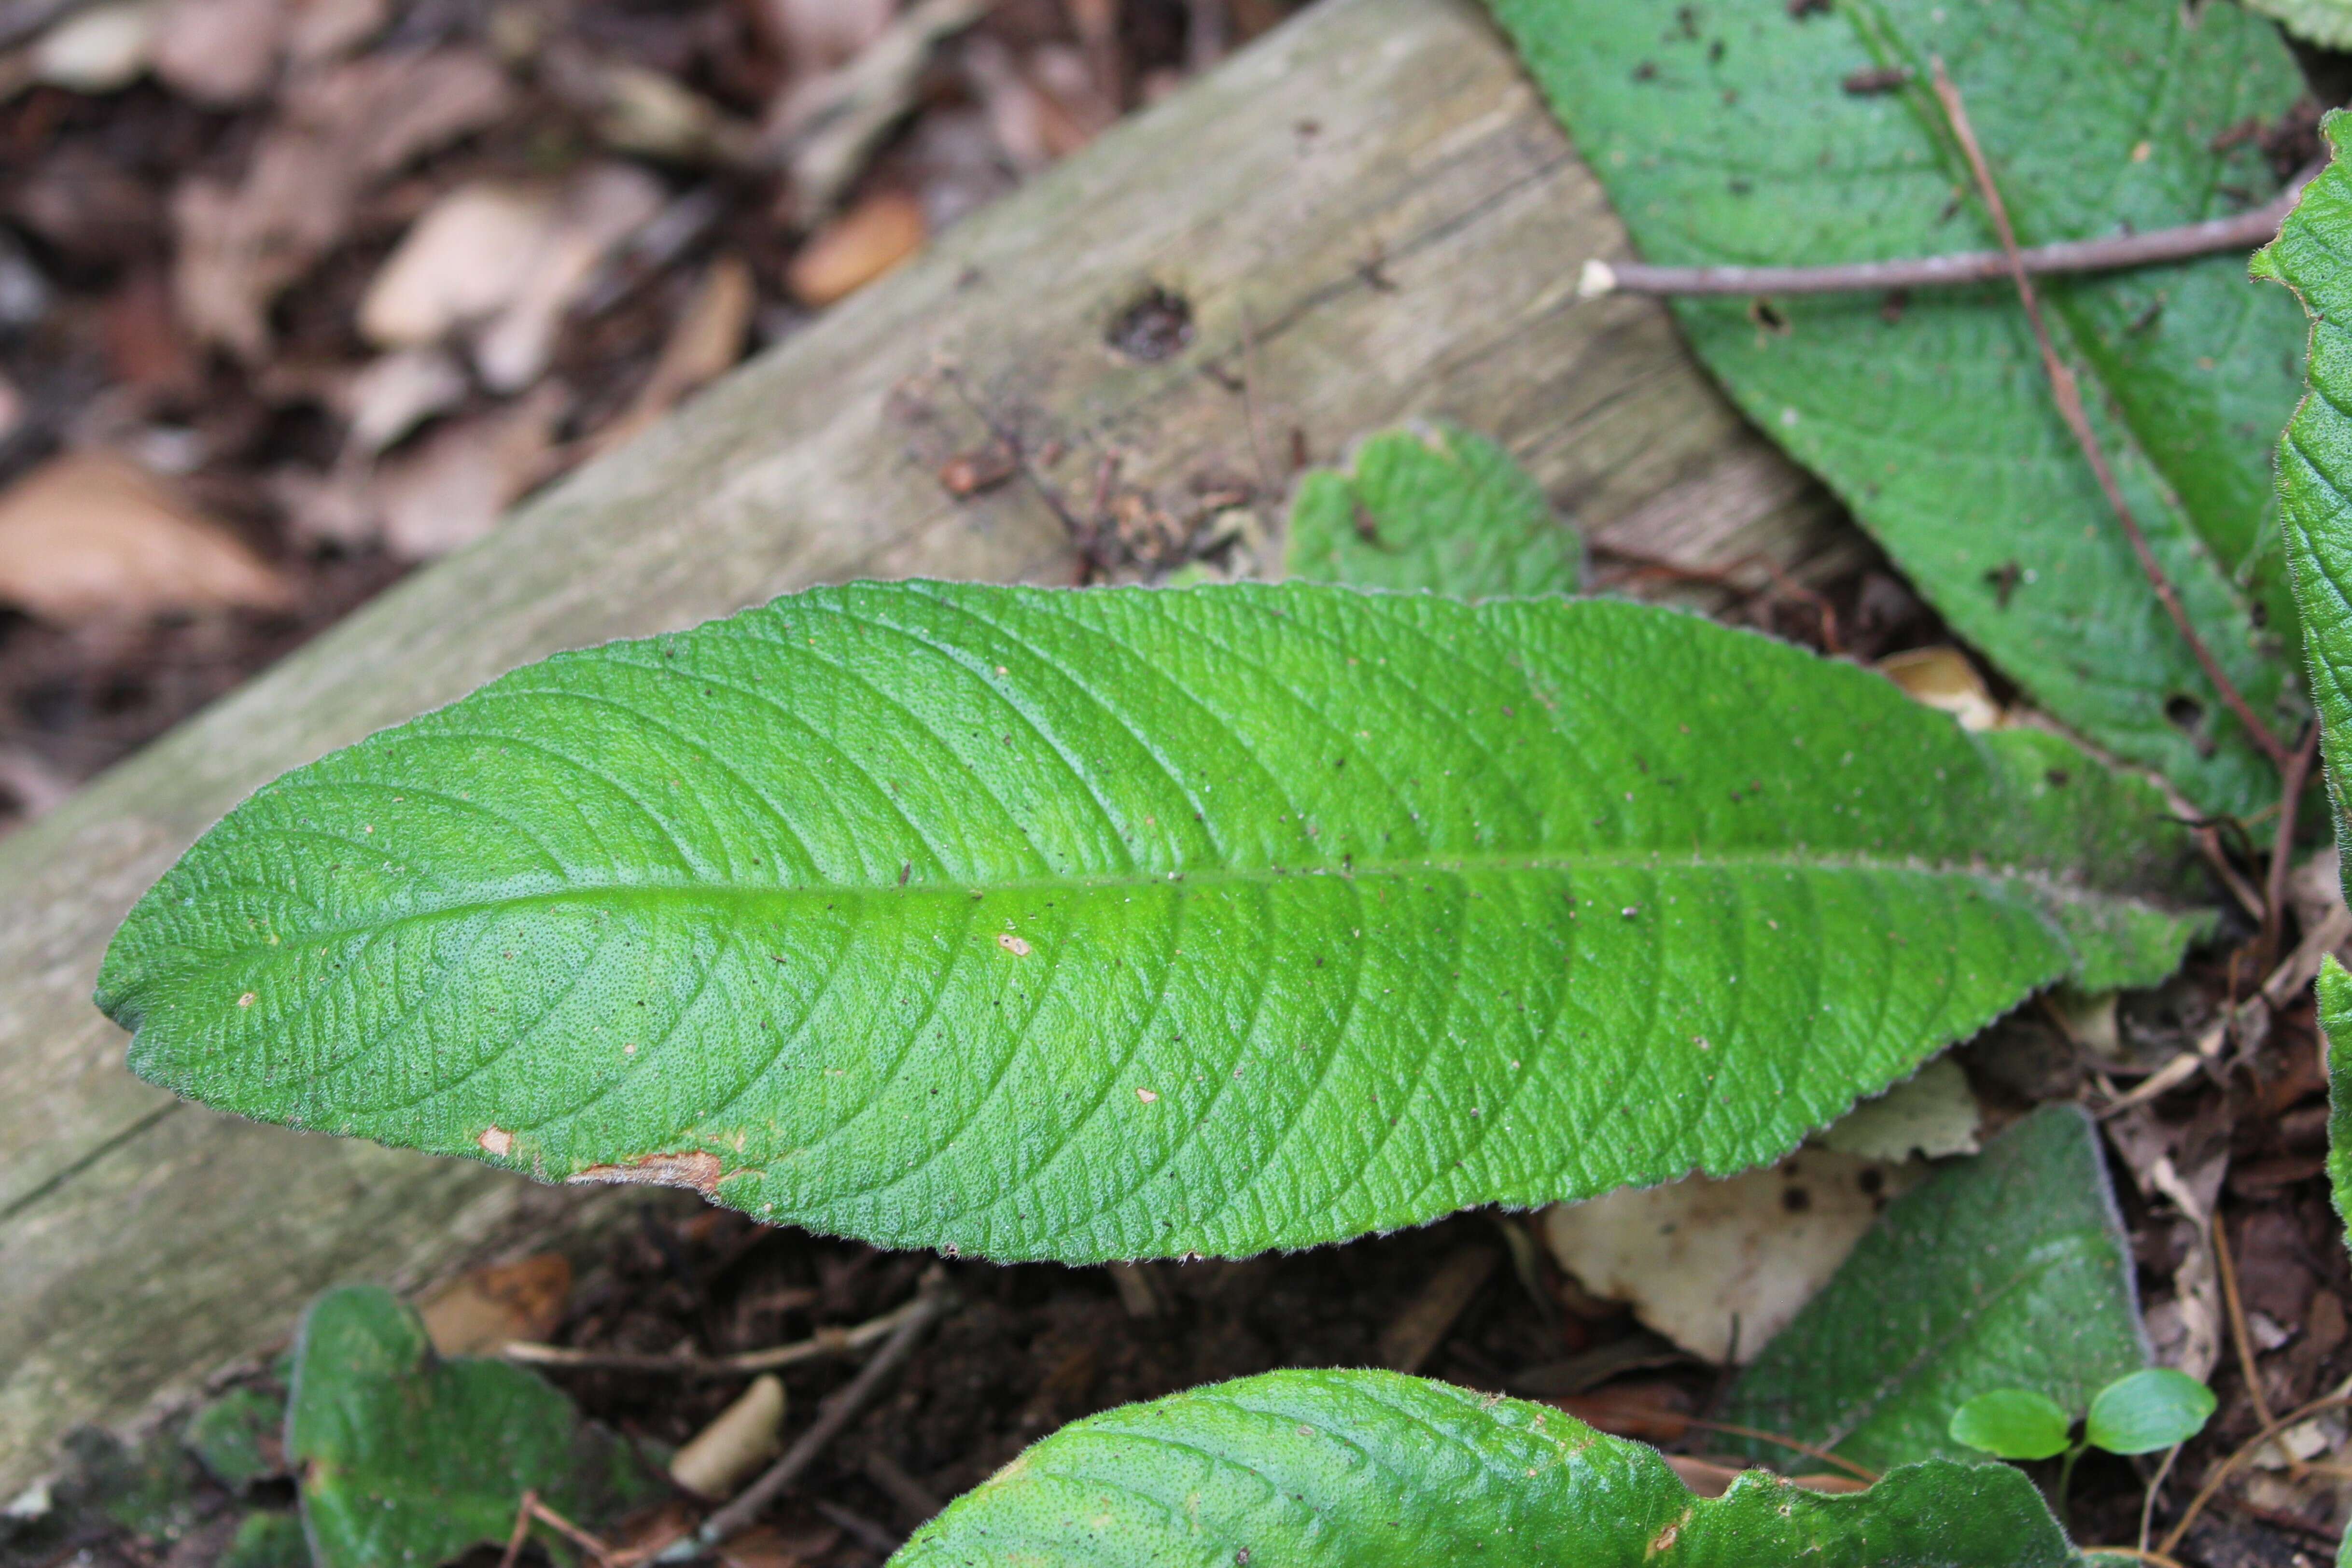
[2013,1423]
[2149,1410]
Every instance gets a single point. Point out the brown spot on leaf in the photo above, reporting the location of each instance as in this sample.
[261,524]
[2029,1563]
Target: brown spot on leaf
[697,1170]
[496,1141]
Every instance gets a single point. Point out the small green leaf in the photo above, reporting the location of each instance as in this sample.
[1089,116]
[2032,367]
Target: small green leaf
[408,1458]
[2013,1423]
[237,1436]
[2336,1024]
[1369,1469]
[2010,1270]
[1442,509]
[267,1538]
[1931,415]
[2153,1408]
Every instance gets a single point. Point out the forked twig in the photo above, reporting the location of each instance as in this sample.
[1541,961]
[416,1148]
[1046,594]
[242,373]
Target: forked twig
[2229,1467]
[745,1364]
[2069,398]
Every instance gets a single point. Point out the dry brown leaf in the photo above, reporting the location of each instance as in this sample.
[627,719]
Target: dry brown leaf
[823,127]
[704,344]
[339,131]
[467,257]
[1694,1254]
[599,208]
[325,29]
[91,536]
[819,35]
[393,394]
[453,488]
[857,247]
[482,1311]
[12,408]
[219,52]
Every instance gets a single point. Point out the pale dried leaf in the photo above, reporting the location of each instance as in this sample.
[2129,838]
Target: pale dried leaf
[819,35]
[393,394]
[325,29]
[481,1311]
[453,488]
[600,208]
[857,247]
[468,255]
[1933,1114]
[89,536]
[338,131]
[660,116]
[1943,678]
[722,1457]
[100,48]
[822,129]
[219,52]
[1696,1254]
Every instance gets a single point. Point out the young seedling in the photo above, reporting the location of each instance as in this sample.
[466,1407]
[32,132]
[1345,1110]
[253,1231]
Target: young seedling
[2140,1413]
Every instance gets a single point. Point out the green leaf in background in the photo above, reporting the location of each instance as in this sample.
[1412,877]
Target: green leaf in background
[267,1538]
[408,1460]
[235,1437]
[1137,922]
[1369,1469]
[2153,1408]
[2327,23]
[1752,131]
[1442,509]
[2013,1423]
[2009,1270]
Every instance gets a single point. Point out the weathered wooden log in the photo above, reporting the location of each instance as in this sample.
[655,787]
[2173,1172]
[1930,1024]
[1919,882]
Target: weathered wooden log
[1367,216]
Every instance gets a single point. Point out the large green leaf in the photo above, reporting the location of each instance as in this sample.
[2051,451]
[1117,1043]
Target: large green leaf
[1726,132]
[1442,508]
[1115,923]
[2336,1023]
[407,1459]
[2327,23]
[2313,256]
[2009,1272]
[1369,1469]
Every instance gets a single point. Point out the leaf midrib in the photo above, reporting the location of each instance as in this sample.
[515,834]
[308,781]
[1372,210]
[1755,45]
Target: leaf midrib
[1989,877]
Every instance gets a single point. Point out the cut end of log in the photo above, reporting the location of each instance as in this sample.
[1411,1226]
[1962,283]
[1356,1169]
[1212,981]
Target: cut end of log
[1597,279]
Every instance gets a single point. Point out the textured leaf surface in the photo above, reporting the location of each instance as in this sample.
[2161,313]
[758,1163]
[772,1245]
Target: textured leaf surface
[2010,1270]
[1936,426]
[2313,256]
[2335,1019]
[1443,509]
[1039,923]
[407,1459]
[1365,1470]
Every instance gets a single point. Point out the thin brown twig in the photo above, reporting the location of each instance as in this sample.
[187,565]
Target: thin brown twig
[1867,1477]
[595,1548]
[1777,580]
[2069,398]
[2296,774]
[521,1531]
[834,1414]
[2247,1450]
[2110,253]
[2239,1336]
[2154,1485]
[746,1363]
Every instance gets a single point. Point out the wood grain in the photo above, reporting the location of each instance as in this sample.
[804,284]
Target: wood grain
[1371,218]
